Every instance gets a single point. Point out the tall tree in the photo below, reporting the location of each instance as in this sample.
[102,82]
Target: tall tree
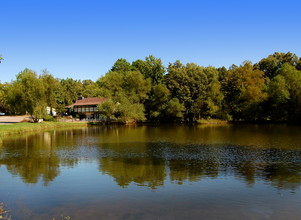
[3,97]
[196,87]
[273,62]
[292,78]
[27,94]
[223,77]
[90,89]
[162,107]
[72,89]
[121,65]
[212,104]
[244,92]
[53,91]
[128,89]
[276,106]
[151,68]
[184,82]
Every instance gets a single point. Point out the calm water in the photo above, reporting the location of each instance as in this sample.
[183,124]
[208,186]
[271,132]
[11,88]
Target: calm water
[154,172]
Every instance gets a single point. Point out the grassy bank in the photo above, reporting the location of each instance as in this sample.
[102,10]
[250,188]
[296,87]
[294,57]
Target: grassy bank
[212,122]
[20,128]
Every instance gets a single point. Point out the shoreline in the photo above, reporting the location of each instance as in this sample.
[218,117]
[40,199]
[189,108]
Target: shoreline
[8,129]
[27,127]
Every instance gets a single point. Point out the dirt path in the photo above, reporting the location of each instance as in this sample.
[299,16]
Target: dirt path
[13,119]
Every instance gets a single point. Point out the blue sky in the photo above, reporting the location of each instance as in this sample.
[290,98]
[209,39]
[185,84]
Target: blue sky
[82,39]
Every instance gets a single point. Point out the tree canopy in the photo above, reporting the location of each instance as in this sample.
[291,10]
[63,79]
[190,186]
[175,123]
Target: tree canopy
[145,89]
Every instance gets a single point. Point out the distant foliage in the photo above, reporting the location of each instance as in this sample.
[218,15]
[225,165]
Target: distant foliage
[269,90]
[244,92]
[126,89]
[26,94]
[197,89]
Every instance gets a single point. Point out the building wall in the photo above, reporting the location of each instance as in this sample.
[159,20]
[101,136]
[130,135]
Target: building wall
[85,109]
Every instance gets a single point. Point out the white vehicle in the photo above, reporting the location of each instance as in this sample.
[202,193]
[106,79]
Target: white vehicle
[1,113]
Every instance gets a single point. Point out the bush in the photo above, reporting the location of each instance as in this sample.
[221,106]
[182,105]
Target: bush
[49,118]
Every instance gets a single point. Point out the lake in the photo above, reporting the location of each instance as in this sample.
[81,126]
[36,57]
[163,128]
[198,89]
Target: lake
[153,172]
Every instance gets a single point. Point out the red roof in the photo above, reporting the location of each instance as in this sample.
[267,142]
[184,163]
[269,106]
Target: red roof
[87,101]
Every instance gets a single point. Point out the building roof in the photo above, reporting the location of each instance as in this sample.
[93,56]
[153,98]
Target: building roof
[87,101]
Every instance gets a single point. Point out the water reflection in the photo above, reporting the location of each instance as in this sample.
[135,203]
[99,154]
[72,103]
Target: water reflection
[142,171]
[180,163]
[151,155]
[31,158]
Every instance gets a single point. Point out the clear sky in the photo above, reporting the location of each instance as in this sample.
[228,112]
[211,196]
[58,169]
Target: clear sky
[83,38]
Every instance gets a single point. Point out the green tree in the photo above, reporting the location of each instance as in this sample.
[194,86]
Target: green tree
[124,111]
[90,89]
[151,68]
[53,91]
[292,79]
[174,110]
[131,84]
[129,112]
[212,103]
[121,65]
[71,90]
[278,98]
[244,92]
[186,84]
[197,88]
[3,97]
[298,66]
[27,94]
[107,109]
[157,102]
[129,88]
[273,62]
[162,106]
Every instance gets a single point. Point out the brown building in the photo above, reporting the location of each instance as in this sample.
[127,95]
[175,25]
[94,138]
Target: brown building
[85,107]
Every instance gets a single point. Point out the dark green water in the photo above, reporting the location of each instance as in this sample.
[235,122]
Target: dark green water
[154,172]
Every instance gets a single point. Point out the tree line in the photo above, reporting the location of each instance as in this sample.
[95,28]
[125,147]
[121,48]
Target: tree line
[269,90]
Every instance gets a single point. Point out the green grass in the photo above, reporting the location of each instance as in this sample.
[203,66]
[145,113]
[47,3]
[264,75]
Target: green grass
[212,122]
[20,128]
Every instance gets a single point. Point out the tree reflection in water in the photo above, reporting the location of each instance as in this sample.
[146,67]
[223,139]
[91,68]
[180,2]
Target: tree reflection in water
[191,163]
[149,156]
[31,158]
